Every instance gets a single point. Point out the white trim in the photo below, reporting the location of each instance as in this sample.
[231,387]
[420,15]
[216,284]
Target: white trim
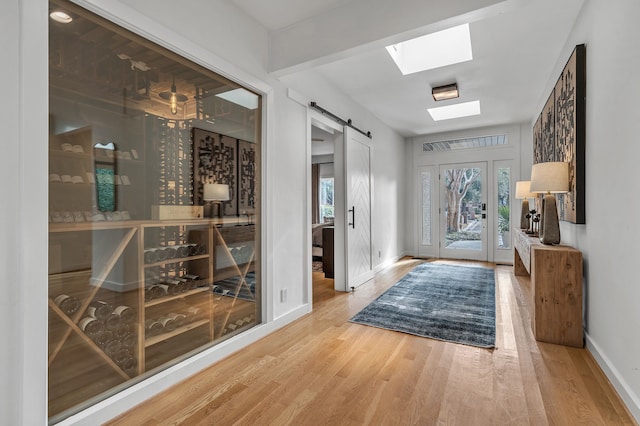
[107,409]
[625,392]
[389,262]
[35,387]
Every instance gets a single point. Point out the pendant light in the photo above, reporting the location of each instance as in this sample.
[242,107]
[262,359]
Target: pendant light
[173,97]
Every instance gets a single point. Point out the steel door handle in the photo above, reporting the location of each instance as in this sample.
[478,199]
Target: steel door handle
[352,210]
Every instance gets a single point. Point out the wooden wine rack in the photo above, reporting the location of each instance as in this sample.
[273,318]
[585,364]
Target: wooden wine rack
[133,237]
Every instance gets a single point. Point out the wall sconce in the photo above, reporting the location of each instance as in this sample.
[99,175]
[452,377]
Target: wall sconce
[523,193]
[550,178]
[441,93]
[173,97]
[216,193]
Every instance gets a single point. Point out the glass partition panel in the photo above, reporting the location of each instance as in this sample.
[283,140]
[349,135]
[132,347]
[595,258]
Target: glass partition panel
[154,209]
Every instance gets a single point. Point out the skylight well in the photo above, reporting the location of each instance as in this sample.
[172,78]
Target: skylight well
[435,50]
[448,112]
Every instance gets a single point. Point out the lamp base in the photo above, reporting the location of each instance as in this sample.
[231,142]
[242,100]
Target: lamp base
[524,221]
[549,224]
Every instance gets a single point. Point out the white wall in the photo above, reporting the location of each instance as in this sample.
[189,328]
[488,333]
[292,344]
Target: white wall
[387,157]
[608,241]
[215,34]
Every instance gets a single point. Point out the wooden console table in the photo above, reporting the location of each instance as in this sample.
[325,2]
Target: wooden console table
[556,288]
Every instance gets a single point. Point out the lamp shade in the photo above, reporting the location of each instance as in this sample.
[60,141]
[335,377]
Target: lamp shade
[215,192]
[552,177]
[523,190]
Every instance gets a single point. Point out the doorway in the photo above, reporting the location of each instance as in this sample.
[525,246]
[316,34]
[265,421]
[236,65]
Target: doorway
[325,178]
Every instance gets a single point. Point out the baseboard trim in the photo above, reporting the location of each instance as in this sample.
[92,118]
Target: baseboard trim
[123,401]
[388,262]
[629,397]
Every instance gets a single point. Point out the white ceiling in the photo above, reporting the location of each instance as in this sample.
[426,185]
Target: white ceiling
[516,44]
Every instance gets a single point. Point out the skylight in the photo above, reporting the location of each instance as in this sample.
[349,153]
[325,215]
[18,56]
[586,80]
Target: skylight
[464,109]
[240,97]
[434,50]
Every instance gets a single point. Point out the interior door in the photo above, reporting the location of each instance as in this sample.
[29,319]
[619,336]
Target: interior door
[358,205]
[463,213]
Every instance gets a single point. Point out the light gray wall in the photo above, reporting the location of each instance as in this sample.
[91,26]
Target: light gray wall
[609,240]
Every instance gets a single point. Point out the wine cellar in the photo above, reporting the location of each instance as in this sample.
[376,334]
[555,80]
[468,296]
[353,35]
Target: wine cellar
[142,274]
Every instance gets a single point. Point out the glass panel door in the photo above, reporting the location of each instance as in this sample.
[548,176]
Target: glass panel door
[502,247]
[463,216]
[427,232]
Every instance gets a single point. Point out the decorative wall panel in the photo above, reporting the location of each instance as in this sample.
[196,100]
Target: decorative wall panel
[559,133]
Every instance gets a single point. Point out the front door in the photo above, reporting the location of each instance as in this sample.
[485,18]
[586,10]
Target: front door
[463,211]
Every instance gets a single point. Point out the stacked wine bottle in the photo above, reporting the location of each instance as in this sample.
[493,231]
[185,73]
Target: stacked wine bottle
[157,288]
[172,321]
[112,329]
[179,251]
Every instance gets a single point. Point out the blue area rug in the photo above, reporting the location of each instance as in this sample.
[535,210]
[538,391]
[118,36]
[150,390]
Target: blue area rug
[444,302]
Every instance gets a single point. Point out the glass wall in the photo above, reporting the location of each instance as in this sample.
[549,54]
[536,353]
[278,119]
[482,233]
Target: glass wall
[154,209]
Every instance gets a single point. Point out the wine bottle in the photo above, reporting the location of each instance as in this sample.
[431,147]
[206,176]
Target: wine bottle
[126,313]
[183,251]
[67,304]
[121,331]
[153,327]
[99,310]
[178,318]
[160,254]
[185,284]
[90,326]
[112,347]
[167,323]
[128,340]
[102,338]
[121,356]
[201,249]
[128,364]
[170,252]
[150,256]
[112,322]
[193,249]
[176,286]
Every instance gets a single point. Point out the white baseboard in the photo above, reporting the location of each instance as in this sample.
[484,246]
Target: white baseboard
[123,401]
[629,397]
[388,262]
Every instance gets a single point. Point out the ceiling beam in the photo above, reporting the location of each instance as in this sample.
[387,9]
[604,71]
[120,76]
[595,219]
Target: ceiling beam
[364,24]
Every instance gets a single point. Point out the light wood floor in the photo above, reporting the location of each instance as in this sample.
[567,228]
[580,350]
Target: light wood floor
[323,370]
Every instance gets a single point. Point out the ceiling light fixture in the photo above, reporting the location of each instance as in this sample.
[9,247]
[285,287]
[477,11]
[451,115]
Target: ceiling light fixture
[173,97]
[434,50]
[464,109]
[60,16]
[441,93]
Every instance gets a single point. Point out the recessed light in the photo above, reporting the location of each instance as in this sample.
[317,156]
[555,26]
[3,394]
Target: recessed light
[60,16]
[464,109]
[434,50]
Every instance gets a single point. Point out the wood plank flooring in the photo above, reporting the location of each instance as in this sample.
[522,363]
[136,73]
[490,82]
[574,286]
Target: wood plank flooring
[324,370]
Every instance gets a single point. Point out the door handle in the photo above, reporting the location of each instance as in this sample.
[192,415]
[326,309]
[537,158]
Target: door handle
[352,210]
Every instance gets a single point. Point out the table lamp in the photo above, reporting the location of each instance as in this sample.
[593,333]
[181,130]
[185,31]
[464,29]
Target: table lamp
[523,193]
[216,193]
[550,178]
